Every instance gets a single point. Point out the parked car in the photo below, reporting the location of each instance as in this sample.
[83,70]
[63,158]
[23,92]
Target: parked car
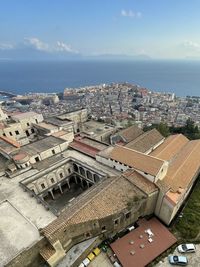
[178,260]
[91,256]
[116,264]
[96,251]
[86,262]
[184,248]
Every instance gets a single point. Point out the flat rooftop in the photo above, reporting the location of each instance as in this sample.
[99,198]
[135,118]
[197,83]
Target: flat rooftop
[7,145]
[26,205]
[58,121]
[137,249]
[16,232]
[24,115]
[42,145]
[96,128]
[45,125]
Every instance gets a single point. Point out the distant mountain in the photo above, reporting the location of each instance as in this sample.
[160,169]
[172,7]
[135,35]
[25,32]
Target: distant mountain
[119,57]
[29,53]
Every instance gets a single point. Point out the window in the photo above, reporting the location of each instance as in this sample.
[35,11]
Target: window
[43,186]
[28,124]
[52,180]
[10,133]
[128,215]
[69,170]
[26,164]
[103,228]
[146,173]
[87,235]
[116,222]
[36,120]
[53,151]
[27,133]
[4,134]
[61,175]
[32,130]
[17,132]
[37,159]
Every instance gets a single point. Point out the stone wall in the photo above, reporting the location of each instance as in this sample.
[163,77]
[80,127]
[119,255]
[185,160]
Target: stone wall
[29,257]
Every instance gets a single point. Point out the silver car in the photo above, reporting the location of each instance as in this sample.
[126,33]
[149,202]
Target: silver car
[178,260]
[185,248]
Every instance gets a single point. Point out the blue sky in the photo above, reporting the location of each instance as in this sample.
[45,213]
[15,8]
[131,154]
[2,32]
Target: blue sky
[157,28]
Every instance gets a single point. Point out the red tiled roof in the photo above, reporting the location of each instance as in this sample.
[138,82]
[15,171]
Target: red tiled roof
[86,149]
[136,160]
[129,251]
[10,141]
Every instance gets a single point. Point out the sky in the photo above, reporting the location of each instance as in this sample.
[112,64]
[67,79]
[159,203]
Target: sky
[159,29]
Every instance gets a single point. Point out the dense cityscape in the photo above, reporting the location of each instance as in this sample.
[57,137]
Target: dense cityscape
[89,172]
[117,103]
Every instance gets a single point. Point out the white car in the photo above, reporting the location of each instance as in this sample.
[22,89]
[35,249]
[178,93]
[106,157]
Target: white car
[184,248]
[86,262]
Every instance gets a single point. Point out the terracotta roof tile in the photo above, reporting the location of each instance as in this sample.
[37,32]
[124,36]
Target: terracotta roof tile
[136,160]
[130,133]
[47,251]
[106,198]
[141,182]
[146,141]
[170,147]
[184,166]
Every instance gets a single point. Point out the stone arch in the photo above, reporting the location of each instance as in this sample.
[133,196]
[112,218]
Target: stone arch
[42,184]
[51,179]
[65,185]
[85,185]
[96,178]
[82,171]
[78,179]
[89,175]
[75,166]
[67,167]
[72,179]
[60,174]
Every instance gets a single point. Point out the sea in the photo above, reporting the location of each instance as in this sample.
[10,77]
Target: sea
[20,77]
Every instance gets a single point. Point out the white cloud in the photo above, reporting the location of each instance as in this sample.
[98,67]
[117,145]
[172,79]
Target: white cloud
[4,46]
[63,47]
[130,13]
[37,44]
[42,46]
[192,45]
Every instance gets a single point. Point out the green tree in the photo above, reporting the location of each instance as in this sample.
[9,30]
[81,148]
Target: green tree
[163,129]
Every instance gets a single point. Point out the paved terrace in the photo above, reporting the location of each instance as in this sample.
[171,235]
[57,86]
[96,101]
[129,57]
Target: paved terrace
[21,217]
[27,206]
